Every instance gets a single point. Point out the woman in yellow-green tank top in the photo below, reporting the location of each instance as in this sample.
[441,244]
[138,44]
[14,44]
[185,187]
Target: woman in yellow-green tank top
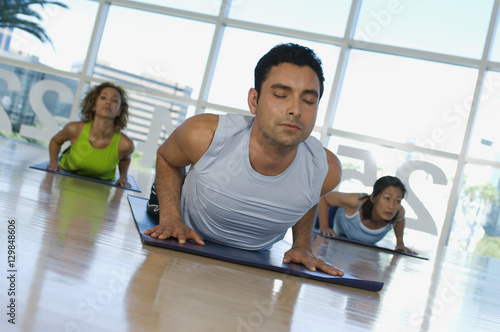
[86,160]
[97,144]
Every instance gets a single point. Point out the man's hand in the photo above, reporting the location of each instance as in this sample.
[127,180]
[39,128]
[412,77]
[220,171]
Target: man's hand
[401,247]
[310,261]
[327,231]
[54,167]
[177,230]
[123,182]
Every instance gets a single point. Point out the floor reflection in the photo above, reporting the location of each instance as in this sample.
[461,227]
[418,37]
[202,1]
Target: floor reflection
[75,214]
[166,292]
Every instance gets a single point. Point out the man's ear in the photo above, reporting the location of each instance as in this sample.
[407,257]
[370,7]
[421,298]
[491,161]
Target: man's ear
[253,95]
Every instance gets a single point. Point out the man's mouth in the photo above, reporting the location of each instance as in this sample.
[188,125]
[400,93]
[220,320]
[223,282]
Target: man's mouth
[291,126]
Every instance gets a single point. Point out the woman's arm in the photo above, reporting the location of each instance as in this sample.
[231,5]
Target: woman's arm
[70,132]
[348,201]
[323,215]
[125,150]
[399,228]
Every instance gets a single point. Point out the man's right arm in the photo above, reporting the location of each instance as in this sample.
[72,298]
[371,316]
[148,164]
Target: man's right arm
[185,146]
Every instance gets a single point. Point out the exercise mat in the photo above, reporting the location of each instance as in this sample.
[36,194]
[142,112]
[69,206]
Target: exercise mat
[130,178]
[271,259]
[381,247]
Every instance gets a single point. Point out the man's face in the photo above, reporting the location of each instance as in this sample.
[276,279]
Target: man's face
[286,110]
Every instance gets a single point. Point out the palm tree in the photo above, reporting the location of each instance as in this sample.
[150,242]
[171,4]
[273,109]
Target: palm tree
[481,196]
[18,14]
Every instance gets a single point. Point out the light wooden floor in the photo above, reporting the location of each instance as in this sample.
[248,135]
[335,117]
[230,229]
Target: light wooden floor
[81,266]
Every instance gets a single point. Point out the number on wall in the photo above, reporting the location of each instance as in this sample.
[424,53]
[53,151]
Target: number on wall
[424,221]
[13,84]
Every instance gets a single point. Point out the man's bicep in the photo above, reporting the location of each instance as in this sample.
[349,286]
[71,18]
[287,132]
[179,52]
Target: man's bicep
[334,174]
[172,151]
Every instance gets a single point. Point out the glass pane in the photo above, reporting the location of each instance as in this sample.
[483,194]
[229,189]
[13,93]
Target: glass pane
[485,141]
[476,222]
[142,115]
[406,100]
[239,54]
[66,48]
[329,16]
[211,7]
[426,179]
[175,59]
[445,26]
[33,104]
[495,47]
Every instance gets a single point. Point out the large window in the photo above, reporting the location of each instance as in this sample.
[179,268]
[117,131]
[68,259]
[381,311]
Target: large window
[411,87]
[201,6]
[156,46]
[240,51]
[319,16]
[34,104]
[69,30]
[405,100]
[485,141]
[455,27]
[476,222]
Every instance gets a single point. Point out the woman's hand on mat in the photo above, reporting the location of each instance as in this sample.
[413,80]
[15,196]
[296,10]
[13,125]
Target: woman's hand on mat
[327,231]
[174,229]
[54,167]
[123,182]
[311,262]
[401,247]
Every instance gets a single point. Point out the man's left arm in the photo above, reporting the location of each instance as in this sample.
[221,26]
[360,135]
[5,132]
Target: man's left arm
[334,174]
[301,251]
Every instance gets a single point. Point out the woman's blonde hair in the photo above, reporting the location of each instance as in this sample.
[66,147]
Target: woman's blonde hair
[87,111]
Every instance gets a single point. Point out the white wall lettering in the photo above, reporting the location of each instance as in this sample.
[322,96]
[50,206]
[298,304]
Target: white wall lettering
[36,101]
[161,118]
[13,84]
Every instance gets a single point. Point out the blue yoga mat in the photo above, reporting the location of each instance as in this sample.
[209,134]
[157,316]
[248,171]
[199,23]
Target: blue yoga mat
[130,178]
[346,239]
[265,259]
[331,215]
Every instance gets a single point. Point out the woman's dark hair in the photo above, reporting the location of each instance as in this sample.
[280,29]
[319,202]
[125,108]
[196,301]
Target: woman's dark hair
[288,53]
[378,187]
[87,112]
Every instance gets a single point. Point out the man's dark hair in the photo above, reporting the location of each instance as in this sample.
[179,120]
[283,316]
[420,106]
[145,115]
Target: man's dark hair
[290,53]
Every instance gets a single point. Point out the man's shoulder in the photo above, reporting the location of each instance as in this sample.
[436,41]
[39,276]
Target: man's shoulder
[200,125]
[211,122]
[239,120]
[200,131]
[314,146]
[231,124]
[205,119]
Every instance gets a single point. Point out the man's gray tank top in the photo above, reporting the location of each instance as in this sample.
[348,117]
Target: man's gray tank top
[226,201]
